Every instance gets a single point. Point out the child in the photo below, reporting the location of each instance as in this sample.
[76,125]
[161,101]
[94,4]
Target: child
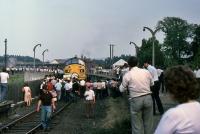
[54,95]
[90,101]
[27,94]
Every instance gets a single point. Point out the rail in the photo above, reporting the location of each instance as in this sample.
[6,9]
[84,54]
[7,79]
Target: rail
[29,123]
[39,125]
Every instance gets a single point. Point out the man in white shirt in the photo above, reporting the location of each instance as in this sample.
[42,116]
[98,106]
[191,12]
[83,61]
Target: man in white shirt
[58,87]
[82,88]
[198,74]
[68,90]
[155,88]
[161,79]
[90,101]
[4,76]
[138,82]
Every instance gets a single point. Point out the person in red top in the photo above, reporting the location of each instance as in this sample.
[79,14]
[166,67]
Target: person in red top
[49,85]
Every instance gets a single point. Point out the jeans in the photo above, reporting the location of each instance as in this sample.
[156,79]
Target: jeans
[141,114]
[3,91]
[58,94]
[68,96]
[46,112]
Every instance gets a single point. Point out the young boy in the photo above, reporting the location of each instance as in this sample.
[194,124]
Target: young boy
[90,101]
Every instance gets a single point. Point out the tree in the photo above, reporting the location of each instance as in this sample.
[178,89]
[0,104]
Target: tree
[177,32]
[196,41]
[145,52]
[196,47]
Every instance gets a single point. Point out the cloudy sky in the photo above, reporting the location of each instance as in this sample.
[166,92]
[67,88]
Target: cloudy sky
[75,27]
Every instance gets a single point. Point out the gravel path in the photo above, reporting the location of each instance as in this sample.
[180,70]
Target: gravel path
[73,120]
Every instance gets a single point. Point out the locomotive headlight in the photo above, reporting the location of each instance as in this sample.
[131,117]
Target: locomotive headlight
[74,75]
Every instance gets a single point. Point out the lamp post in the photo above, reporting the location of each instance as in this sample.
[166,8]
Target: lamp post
[46,50]
[34,54]
[136,47]
[154,37]
[5,56]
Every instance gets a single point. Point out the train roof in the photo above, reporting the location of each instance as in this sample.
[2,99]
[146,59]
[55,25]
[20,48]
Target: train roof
[74,60]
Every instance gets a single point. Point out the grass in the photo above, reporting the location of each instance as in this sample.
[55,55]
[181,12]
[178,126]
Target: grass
[119,127]
[15,84]
[117,119]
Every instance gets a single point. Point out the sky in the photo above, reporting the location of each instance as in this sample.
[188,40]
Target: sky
[85,27]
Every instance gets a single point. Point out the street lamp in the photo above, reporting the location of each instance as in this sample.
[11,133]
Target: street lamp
[5,56]
[154,37]
[34,54]
[136,47]
[46,50]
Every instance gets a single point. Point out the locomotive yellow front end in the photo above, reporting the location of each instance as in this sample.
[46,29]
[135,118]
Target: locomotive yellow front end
[75,68]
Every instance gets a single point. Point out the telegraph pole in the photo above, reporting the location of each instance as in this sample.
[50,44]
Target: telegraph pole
[5,56]
[111,52]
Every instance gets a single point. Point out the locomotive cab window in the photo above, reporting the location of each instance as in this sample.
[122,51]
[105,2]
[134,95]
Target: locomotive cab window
[81,70]
[67,71]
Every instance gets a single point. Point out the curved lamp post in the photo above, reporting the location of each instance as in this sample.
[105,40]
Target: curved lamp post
[154,37]
[46,50]
[136,47]
[34,54]
[5,56]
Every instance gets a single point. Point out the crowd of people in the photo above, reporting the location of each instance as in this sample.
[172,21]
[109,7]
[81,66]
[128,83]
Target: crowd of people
[142,85]
[53,89]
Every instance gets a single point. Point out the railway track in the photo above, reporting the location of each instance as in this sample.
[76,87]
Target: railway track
[29,123]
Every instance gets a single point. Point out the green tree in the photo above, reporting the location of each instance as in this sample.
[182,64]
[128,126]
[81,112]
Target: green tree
[175,46]
[145,53]
[196,47]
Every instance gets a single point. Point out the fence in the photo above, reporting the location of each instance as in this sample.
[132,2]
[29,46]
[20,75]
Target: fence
[32,76]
